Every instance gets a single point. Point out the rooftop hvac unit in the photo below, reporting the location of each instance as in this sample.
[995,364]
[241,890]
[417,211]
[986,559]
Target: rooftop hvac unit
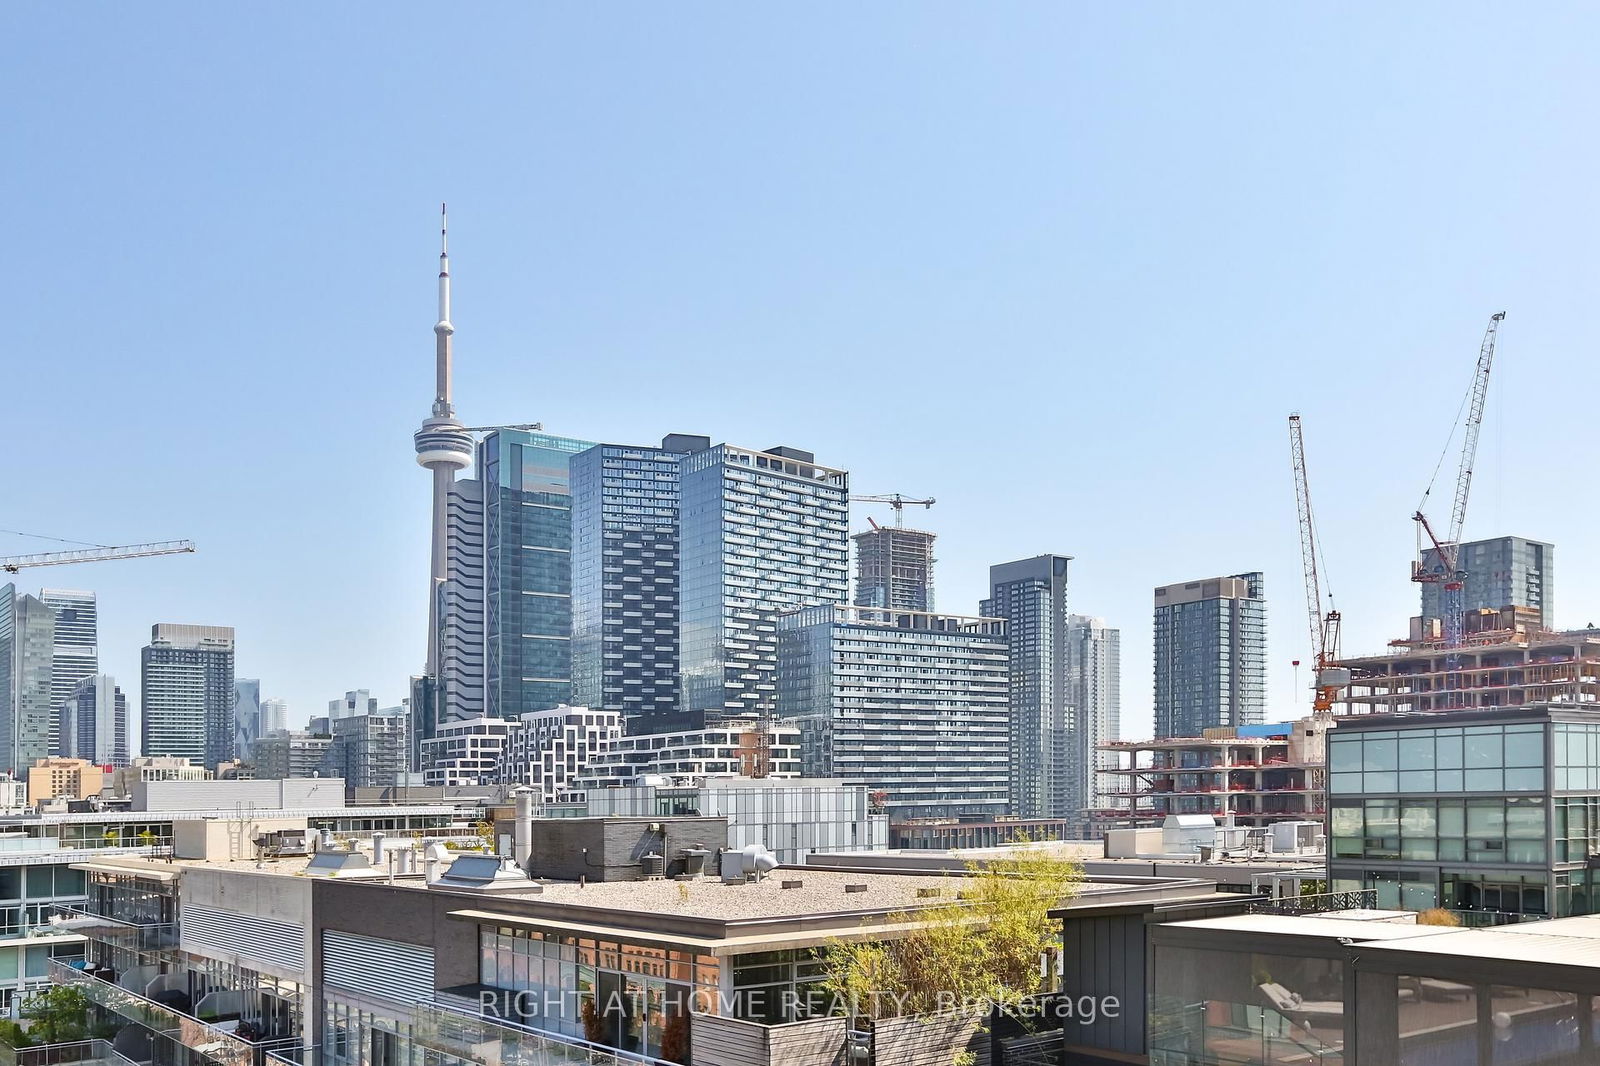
[751,863]
[655,867]
[694,862]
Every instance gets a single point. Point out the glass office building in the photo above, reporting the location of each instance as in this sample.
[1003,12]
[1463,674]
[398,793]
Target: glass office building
[1486,811]
[761,534]
[1210,655]
[1500,572]
[527,573]
[625,580]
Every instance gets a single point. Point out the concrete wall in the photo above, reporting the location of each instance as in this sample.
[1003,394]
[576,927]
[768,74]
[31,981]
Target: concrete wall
[228,795]
[222,839]
[616,846]
[249,896]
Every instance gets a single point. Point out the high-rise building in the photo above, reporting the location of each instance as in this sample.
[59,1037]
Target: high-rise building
[33,721]
[911,703]
[1210,655]
[76,655]
[1094,692]
[1031,595]
[247,723]
[356,701]
[625,580]
[370,749]
[94,722]
[761,534]
[291,753]
[894,568]
[527,573]
[187,693]
[1500,572]
[8,679]
[461,606]
[274,716]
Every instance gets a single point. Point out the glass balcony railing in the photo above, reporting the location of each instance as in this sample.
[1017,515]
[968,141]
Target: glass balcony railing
[154,936]
[76,1053]
[212,1044]
[466,1037]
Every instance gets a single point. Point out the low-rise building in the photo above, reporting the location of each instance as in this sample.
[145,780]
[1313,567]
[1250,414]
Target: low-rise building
[155,768]
[467,752]
[792,817]
[56,778]
[1491,813]
[730,747]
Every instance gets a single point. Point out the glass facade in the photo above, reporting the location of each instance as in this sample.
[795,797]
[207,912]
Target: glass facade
[1210,655]
[527,570]
[627,996]
[1237,1008]
[761,533]
[625,583]
[1502,572]
[915,704]
[1471,815]
[1489,758]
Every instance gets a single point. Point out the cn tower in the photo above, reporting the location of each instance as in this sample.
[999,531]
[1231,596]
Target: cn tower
[443,445]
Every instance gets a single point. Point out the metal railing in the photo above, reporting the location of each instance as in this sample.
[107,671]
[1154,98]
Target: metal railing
[1361,899]
[465,1035]
[153,936]
[86,1052]
[211,1043]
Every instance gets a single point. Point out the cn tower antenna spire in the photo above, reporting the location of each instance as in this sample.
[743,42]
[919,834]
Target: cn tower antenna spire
[443,355]
[443,446]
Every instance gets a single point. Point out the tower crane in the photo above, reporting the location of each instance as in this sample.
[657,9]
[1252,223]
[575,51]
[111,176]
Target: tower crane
[897,501]
[1448,574]
[1324,625]
[14,563]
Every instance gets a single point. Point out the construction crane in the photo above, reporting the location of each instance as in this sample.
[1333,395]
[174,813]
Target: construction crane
[1448,574]
[1324,625]
[15,563]
[897,501]
[526,427]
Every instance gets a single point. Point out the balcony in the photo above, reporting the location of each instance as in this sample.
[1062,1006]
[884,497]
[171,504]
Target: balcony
[469,1037]
[154,936]
[207,1042]
[76,1053]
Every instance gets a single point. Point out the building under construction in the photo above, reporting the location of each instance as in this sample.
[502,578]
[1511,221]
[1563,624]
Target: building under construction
[894,568]
[1256,774]
[1506,660]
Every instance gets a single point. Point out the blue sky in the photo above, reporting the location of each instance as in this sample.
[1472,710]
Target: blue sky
[1066,268]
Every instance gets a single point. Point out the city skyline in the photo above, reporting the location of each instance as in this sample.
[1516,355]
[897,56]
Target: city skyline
[1148,276]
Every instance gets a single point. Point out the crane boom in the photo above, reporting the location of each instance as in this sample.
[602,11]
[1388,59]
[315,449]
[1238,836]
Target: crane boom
[14,563]
[1308,531]
[897,501]
[1324,625]
[1448,551]
[1469,443]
